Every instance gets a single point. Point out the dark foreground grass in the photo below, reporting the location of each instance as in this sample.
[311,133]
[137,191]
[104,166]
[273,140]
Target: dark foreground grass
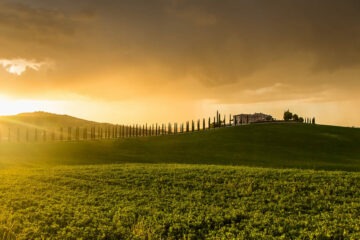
[267,145]
[164,201]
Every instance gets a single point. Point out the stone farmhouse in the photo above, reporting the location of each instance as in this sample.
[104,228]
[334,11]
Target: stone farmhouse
[251,118]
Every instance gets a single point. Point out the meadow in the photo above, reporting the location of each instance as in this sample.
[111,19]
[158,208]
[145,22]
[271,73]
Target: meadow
[268,181]
[162,201]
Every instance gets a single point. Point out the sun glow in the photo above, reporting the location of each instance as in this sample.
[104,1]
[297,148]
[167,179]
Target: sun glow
[10,106]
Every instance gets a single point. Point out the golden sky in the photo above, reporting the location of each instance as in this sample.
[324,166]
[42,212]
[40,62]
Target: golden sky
[137,61]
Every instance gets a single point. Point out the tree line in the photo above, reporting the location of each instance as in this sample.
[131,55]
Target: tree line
[98,132]
[289,116]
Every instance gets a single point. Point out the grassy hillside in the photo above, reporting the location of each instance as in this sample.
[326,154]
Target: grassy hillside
[101,197]
[263,145]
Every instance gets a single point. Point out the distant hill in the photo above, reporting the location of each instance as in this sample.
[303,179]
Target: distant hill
[42,120]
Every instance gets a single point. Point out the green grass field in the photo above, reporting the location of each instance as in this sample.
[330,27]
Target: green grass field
[266,145]
[146,201]
[269,181]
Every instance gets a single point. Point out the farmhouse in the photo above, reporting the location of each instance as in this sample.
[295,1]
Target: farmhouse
[251,118]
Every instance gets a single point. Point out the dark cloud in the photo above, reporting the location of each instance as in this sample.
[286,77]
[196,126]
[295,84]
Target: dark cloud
[136,44]
[32,31]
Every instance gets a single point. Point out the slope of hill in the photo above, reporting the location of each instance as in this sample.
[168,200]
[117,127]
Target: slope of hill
[42,120]
[263,145]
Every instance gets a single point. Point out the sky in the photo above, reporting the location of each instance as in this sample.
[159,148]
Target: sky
[138,61]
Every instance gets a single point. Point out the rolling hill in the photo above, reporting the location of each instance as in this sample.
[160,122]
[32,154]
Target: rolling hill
[42,120]
[196,185]
[259,145]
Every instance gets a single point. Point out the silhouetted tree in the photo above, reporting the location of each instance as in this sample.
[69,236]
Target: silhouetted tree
[295,117]
[288,115]
[85,133]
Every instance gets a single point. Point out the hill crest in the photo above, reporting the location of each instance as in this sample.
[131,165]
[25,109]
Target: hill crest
[42,119]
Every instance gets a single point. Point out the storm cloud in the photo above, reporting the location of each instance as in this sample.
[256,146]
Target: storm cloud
[225,50]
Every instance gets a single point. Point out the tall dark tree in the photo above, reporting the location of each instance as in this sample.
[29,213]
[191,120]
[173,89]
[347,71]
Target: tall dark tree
[288,115]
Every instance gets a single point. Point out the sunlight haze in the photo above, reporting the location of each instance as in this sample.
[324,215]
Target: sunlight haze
[172,61]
